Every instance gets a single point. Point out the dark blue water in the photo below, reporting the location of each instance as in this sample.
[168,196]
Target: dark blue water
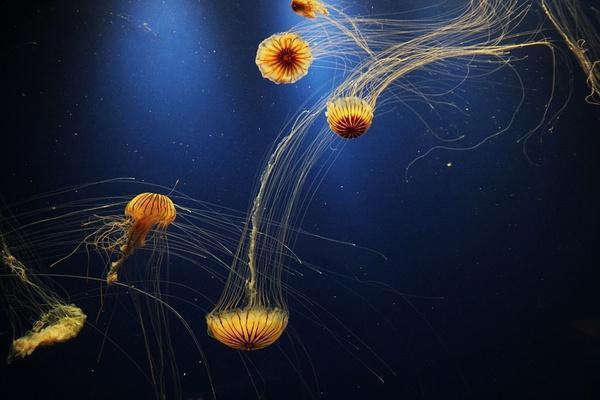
[491,274]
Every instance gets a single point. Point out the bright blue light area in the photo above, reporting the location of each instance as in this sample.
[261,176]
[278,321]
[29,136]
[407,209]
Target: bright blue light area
[167,106]
[163,63]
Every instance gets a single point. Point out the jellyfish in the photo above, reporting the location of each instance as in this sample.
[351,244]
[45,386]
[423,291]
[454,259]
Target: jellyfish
[60,324]
[308,8]
[283,58]
[349,117]
[251,313]
[56,321]
[143,213]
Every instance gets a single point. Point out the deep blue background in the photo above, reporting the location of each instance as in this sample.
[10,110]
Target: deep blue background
[506,251]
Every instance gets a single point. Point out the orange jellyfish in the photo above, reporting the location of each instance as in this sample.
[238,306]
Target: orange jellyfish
[308,8]
[250,328]
[144,212]
[349,117]
[60,324]
[26,296]
[283,58]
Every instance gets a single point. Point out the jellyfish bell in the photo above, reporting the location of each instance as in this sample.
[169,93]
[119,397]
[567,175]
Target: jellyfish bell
[283,58]
[144,212]
[349,117]
[250,328]
[308,8]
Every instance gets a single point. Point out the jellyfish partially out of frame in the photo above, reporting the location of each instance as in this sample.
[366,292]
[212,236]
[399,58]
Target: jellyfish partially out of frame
[56,321]
[309,8]
[580,30]
[144,212]
[252,312]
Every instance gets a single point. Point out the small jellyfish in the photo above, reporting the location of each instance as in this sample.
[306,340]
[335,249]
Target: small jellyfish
[60,324]
[349,117]
[58,321]
[144,212]
[250,328]
[283,58]
[308,8]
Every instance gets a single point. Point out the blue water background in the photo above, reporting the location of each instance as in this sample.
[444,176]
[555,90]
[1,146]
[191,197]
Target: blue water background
[504,252]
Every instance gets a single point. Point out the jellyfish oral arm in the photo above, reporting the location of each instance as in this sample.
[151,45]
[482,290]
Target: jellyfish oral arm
[136,237]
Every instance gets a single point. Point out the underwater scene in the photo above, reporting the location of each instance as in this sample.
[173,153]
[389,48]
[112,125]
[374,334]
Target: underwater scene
[300,199]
